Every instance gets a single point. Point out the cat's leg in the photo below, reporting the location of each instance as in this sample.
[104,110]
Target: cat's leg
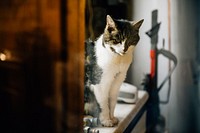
[119,78]
[101,92]
[102,99]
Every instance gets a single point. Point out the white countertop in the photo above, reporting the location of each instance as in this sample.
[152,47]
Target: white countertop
[125,113]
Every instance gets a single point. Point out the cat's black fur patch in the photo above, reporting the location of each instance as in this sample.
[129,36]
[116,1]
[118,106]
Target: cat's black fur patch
[94,72]
[92,76]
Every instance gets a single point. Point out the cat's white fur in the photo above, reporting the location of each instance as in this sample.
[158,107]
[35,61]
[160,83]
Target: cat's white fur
[119,48]
[115,66]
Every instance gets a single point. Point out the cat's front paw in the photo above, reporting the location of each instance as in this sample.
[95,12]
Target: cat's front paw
[115,120]
[107,123]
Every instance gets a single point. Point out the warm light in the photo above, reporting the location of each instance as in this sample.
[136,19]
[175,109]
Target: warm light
[2,57]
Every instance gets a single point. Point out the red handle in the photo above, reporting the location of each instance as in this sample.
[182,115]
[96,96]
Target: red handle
[153,62]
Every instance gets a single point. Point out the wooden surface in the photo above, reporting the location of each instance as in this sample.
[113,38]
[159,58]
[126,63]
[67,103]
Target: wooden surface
[75,64]
[42,92]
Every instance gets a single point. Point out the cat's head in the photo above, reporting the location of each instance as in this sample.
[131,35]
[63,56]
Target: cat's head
[121,35]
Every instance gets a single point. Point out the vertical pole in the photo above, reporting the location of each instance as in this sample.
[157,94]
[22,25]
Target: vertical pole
[169,39]
[153,51]
[153,110]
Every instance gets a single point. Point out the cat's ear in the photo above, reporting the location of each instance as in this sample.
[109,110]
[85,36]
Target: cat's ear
[138,24]
[110,22]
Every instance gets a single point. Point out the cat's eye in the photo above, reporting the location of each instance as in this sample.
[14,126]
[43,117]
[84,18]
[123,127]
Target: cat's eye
[117,36]
[116,41]
[110,29]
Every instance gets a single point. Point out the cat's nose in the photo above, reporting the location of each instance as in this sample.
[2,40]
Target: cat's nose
[122,53]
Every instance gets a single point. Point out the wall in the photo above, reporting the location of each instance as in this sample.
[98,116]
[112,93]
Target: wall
[181,111]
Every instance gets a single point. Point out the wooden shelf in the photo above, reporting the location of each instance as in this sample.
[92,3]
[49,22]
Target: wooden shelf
[132,117]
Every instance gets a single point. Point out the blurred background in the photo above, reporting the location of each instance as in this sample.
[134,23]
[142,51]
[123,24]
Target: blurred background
[180,29]
[42,60]
[41,66]
[178,33]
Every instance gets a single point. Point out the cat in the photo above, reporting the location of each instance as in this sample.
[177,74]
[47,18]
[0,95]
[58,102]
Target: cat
[106,64]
